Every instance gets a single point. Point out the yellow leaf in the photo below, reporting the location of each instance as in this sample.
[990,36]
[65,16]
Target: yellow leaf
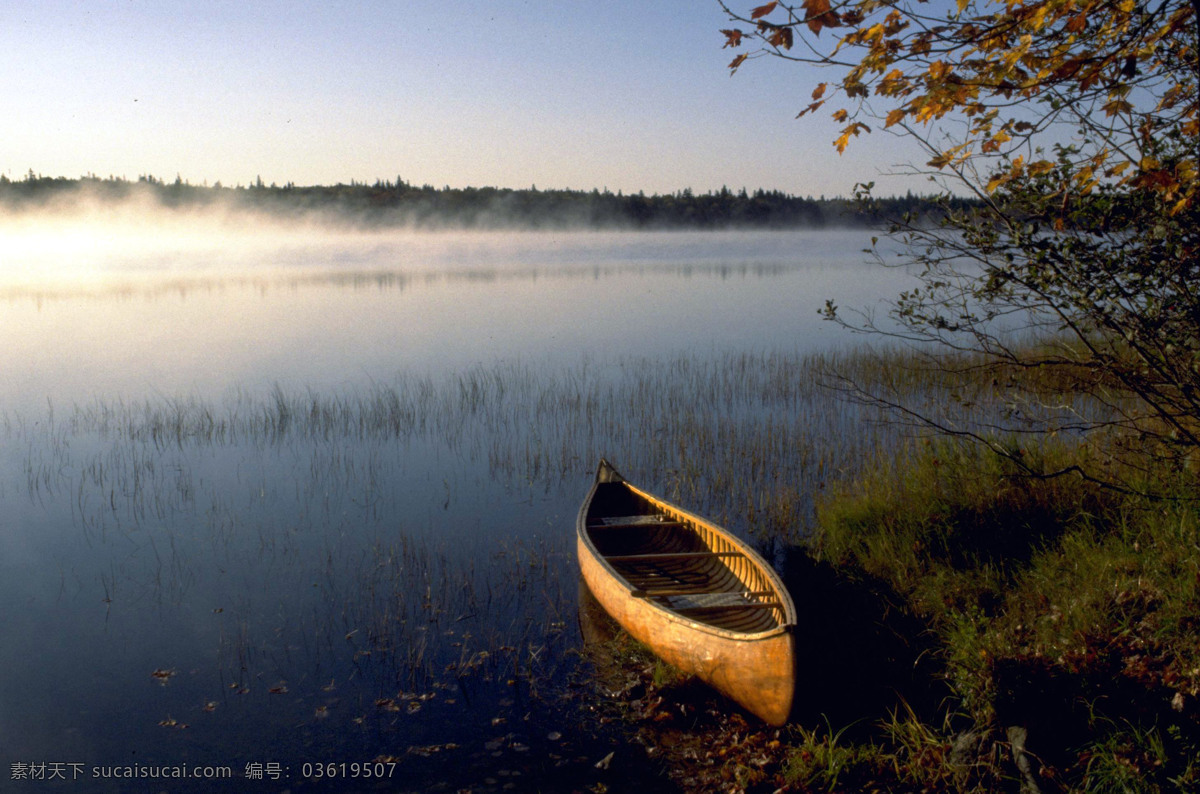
[852,130]
[1116,106]
[895,117]
[1038,20]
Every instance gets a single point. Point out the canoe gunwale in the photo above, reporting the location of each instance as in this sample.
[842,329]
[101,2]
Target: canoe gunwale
[684,516]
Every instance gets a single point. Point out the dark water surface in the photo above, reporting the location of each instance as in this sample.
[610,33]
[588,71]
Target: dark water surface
[315,509]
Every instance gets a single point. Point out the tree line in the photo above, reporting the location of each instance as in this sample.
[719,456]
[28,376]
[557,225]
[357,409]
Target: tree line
[397,202]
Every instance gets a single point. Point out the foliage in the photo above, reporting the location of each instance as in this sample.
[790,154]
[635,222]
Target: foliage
[1121,71]
[1075,123]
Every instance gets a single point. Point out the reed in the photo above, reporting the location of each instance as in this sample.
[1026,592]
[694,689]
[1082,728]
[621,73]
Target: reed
[413,537]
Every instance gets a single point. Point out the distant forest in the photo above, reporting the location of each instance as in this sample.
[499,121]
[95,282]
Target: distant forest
[399,203]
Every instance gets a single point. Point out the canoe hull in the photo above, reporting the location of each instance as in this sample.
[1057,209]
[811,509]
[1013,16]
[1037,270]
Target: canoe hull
[755,669]
[758,674]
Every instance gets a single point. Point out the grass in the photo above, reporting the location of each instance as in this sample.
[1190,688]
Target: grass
[1056,607]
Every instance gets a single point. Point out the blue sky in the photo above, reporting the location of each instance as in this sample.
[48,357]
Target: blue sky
[629,95]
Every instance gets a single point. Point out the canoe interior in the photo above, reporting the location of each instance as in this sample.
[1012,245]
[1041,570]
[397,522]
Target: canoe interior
[674,560]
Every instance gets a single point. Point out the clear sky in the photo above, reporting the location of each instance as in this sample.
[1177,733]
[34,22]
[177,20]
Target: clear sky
[625,94]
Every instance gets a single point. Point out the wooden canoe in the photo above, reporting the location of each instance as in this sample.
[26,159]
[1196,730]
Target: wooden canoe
[698,597]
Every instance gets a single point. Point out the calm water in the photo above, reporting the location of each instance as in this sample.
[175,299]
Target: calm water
[269,503]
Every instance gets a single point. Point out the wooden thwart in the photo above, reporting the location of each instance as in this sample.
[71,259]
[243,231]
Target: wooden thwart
[652,593]
[631,522]
[749,605]
[674,555]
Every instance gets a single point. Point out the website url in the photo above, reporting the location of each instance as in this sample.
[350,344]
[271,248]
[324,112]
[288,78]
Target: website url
[52,770]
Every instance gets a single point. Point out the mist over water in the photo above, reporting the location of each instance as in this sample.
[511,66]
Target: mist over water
[110,302]
[281,492]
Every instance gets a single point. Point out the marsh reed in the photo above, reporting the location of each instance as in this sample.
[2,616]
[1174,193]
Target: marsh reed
[414,535]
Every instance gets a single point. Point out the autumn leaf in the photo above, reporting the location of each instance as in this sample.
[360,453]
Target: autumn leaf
[818,14]
[849,132]
[762,11]
[733,38]
[940,161]
[810,108]
[736,62]
[938,70]
[1117,106]
[782,38]
[819,91]
[1039,167]
[895,117]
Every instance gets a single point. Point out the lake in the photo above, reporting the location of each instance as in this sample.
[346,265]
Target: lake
[298,505]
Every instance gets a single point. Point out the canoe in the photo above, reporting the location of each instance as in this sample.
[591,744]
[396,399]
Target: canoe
[698,597]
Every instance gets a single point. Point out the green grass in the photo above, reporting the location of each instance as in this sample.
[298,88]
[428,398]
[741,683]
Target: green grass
[1053,605]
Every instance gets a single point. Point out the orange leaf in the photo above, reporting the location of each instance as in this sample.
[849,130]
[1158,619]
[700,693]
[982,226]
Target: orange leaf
[819,91]
[818,14]
[736,62]
[810,108]
[733,38]
[762,11]
[895,117]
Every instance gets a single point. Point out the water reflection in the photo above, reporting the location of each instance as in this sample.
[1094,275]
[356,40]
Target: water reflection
[323,326]
[332,506]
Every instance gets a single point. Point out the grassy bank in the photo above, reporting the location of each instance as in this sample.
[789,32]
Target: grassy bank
[1064,619]
[968,629]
